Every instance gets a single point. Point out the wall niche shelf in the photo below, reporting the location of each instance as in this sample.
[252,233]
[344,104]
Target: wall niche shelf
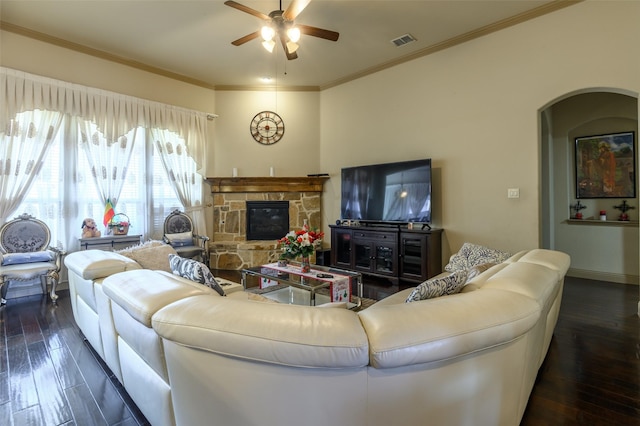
[593,221]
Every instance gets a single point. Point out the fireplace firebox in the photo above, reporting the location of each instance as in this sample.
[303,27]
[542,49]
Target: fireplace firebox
[267,220]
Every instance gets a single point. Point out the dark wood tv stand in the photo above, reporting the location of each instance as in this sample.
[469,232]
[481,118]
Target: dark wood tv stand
[388,250]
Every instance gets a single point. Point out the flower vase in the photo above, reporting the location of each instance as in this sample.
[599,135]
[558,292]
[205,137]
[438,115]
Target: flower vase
[305,264]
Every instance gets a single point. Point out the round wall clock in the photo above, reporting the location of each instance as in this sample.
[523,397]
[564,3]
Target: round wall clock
[267,127]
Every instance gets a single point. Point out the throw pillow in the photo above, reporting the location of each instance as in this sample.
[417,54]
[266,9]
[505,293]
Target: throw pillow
[471,255]
[181,239]
[477,270]
[152,255]
[194,271]
[437,287]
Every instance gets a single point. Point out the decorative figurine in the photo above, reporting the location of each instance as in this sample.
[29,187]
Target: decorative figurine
[624,207]
[577,207]
[89,228]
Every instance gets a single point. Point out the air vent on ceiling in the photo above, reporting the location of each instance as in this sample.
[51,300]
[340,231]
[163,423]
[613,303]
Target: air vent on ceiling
[402,40]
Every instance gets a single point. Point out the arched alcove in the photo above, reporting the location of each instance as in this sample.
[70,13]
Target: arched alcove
[599,250]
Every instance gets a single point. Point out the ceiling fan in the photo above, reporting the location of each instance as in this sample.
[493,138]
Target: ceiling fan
[280,23]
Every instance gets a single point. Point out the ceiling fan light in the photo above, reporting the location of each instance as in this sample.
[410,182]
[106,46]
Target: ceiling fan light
[269,45]
[293,34]
[267,33]
[292,47]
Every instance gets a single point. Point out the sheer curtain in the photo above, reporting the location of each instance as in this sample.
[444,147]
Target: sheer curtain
[24,143]
[104,117]
[108,159]
[183,177]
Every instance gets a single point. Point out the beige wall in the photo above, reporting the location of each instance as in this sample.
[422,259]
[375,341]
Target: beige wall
[296,154]
[474,109]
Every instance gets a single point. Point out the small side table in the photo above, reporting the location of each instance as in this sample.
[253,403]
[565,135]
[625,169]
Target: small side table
[109,242]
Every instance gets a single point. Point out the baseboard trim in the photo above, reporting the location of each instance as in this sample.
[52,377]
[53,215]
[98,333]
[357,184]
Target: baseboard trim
[604,276]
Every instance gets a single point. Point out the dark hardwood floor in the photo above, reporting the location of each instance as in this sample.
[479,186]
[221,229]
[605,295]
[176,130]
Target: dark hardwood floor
[50,376]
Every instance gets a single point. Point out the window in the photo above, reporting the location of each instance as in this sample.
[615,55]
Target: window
[64,193]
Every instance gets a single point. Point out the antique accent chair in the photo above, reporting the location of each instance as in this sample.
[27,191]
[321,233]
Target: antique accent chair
[178,232]
[25,255]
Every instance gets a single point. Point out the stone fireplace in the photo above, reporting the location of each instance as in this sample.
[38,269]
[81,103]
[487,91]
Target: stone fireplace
[230,248]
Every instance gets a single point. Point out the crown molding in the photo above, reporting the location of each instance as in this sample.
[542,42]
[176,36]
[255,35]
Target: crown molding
[231,88]
[46,38]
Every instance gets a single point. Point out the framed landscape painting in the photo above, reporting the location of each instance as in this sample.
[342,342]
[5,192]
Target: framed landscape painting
[606,166]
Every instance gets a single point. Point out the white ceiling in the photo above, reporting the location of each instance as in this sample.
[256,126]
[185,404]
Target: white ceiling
[193,38]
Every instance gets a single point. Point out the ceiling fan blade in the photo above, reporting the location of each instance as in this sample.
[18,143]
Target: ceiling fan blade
[318,32]
[294,9]
[290,55]
[248,37]
[247,9]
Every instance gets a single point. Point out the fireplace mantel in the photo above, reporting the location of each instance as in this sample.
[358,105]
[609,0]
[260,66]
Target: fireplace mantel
[266,184]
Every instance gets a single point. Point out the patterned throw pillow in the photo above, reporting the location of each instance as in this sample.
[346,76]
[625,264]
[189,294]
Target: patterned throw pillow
[437,287]
[471,255]
[194,271]
[478,269]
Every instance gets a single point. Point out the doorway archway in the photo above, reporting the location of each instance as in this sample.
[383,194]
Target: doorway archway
[605,251]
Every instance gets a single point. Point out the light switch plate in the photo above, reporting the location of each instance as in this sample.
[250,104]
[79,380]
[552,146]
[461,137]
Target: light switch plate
[513,193]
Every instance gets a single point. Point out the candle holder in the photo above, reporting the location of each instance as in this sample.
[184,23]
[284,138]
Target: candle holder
[624,207]
[577,207]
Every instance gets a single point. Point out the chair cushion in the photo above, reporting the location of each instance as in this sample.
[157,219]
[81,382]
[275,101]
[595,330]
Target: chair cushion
[194,271]
[30,257]
[180,240]
[27,271]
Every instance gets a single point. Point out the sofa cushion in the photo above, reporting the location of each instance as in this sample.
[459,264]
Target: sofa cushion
[436,287]
[92,264]
[471,255]
[141,293]
[194,271]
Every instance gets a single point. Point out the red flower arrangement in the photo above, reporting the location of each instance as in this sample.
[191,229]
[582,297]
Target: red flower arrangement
[300,243]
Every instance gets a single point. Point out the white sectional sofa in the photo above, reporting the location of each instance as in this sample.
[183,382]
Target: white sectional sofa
[188,356]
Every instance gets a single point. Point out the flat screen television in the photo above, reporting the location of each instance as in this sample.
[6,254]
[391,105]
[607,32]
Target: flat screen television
[397,192]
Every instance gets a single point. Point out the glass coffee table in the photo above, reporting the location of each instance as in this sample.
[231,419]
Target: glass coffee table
[293,286]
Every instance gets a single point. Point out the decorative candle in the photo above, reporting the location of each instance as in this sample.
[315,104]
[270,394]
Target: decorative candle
[234,172]
[272,171]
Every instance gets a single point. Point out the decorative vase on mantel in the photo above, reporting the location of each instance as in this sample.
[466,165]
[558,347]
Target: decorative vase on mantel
[305,264]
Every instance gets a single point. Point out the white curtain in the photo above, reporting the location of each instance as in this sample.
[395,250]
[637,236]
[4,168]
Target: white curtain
[183,176]
[110,116]
[108,158]
[113,113]
[24,141]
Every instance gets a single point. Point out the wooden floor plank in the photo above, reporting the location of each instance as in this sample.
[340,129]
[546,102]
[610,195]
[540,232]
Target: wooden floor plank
[53,403]
[22,388]
[85,410]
